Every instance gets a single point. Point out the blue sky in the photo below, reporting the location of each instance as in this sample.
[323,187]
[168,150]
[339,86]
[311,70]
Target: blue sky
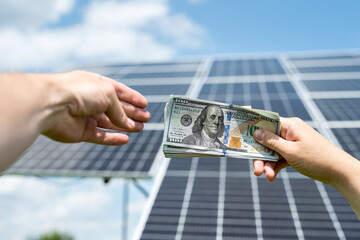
[40,35]
[274,26]
[65,33]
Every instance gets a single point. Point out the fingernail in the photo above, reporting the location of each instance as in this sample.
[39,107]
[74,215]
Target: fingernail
[131,123]
[259,134]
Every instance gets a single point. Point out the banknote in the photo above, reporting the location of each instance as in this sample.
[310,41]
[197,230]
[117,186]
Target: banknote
[195,127]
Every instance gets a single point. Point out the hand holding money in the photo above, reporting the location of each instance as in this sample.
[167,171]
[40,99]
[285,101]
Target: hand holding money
[195,128]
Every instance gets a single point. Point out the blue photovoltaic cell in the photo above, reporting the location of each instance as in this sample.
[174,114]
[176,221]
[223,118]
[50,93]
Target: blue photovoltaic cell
[349,139]
[347,219]
[154,64]
[47,157]
[275,226]
[239,217]
[236,165]
[280,96]
[176,89]
[314,57]
[339,109]
[329,69]
[156,110]
[333,85]
[245,67]
[159,75]
[310,207]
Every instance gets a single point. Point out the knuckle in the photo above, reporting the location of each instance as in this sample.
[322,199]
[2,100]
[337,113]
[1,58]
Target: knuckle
[297,121]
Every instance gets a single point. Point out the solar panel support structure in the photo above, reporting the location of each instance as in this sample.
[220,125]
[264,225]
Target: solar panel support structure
[125,210]
[140,188]
[125,203]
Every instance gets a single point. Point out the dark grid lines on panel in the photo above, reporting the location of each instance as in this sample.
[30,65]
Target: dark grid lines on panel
[333,85]
[313,215]
[280,96]
[348,220]
[201,218]
[176,89]
[164,217]
[239,217]
[341,109]
[245,67]
[154,64]
[159,75]
[156,110]
[277,221]
[85,159]
[239,221]
[329,69]
[349,139]
[326,57]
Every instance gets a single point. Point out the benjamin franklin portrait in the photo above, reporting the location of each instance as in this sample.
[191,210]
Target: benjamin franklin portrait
[208,128]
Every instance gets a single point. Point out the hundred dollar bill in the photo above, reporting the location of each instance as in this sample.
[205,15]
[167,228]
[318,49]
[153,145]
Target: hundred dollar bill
[196,127]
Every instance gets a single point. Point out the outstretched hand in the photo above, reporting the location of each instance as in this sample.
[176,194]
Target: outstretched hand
[88,104]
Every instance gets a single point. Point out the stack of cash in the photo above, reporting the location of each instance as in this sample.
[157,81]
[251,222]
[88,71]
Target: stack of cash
[198,128]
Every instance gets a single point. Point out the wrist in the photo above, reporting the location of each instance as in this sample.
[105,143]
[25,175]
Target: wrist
[346,176]
[55,100]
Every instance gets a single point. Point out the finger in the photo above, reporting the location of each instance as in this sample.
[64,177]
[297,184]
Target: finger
[285,123]
[258,167]
[273,141]
[135,113]
[104,122]
[117,115]
[108,138]
[270,171]
[127,94]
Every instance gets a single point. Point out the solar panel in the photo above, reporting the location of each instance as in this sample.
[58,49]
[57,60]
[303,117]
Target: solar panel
[47,157]
[220,198]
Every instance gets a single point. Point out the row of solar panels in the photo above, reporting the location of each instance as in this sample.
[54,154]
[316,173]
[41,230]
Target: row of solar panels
[219,198]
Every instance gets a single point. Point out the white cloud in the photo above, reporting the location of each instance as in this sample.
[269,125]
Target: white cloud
[182,31]
[128,14]
[31,14]
[110,31]
[86,208]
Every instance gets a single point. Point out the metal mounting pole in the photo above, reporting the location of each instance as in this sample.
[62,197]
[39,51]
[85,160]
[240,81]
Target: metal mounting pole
[125,210]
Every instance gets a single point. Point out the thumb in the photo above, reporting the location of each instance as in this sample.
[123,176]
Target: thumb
[271,140]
